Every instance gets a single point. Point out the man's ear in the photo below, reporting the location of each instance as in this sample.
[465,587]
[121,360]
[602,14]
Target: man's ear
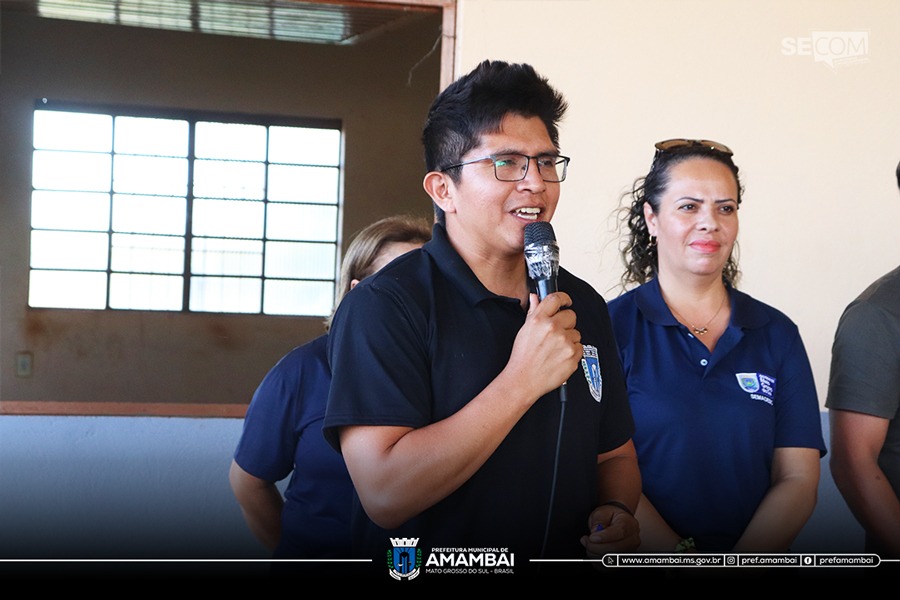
[441,189]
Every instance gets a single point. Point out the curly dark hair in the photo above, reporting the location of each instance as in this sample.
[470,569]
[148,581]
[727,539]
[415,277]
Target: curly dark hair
[638,251]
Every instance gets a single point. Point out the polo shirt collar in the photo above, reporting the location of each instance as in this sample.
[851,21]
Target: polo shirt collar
[745,313]
[455,269]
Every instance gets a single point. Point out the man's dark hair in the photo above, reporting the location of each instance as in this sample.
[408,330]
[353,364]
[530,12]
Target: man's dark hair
[476,103]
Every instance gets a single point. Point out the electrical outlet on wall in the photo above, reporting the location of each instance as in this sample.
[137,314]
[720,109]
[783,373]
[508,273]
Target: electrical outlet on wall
[24,364]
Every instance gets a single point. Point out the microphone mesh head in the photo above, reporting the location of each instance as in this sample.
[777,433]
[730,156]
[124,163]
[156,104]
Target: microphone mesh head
[539,232]
[541,254]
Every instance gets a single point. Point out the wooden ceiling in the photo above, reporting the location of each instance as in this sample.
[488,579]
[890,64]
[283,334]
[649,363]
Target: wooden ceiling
[318,21]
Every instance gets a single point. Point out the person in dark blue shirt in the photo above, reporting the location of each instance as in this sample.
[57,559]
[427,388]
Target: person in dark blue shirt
[727,420]
[282,432]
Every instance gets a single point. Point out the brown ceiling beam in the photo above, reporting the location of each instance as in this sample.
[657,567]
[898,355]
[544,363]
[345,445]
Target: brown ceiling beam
[448,26]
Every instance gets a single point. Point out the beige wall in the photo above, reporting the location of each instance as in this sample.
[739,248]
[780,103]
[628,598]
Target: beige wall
[381,89]
[817,145]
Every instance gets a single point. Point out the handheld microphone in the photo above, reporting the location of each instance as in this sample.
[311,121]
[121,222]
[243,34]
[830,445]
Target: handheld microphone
[542,257]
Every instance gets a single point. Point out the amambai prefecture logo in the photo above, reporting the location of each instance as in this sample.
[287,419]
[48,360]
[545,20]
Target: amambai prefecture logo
[404,559]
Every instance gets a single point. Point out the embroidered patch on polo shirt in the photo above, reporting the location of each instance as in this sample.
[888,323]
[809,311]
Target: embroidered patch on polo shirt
[590,364]
[759,386]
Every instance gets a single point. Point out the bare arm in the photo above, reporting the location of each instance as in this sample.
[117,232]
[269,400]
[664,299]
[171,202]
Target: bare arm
[619,480]
[399,472]
[856,441]
[656,535]
[787,505]
[260,503]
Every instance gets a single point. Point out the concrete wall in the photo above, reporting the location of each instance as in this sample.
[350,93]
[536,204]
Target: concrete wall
[380,89]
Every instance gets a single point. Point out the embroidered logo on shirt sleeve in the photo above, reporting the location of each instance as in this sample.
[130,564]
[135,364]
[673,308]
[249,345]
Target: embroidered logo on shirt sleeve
[590,364]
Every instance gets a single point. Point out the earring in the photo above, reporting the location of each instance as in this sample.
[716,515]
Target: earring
[652,241]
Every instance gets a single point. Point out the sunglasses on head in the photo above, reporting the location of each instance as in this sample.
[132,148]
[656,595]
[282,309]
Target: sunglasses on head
[672,144]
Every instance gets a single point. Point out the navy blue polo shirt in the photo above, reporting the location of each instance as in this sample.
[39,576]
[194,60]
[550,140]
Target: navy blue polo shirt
[707,423]
[282,436]
[415,342]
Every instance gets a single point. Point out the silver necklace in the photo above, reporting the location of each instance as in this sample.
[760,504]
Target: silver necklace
[701,330]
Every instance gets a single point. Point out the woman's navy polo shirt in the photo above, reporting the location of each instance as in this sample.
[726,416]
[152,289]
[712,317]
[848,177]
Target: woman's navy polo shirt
[282,436]
[415,342]
[707,423]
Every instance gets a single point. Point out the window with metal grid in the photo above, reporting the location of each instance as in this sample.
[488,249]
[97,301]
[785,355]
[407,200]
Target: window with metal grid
[156,210]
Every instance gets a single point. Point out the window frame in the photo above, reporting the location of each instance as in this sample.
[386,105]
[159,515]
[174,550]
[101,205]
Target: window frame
[187,274]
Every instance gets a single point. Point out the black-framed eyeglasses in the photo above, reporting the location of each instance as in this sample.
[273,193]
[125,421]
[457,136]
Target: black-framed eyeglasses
[514,167]
[667,145]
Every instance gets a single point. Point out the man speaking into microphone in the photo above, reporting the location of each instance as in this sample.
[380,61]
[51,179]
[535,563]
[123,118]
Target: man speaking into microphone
[447,365]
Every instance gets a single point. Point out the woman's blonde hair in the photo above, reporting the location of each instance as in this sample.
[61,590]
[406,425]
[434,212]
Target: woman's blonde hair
[368,244]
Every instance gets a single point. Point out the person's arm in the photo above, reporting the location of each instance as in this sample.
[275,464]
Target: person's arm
[399,471]
[856,441]
[619,482]
[787,505]
[260,503]
[656,534]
